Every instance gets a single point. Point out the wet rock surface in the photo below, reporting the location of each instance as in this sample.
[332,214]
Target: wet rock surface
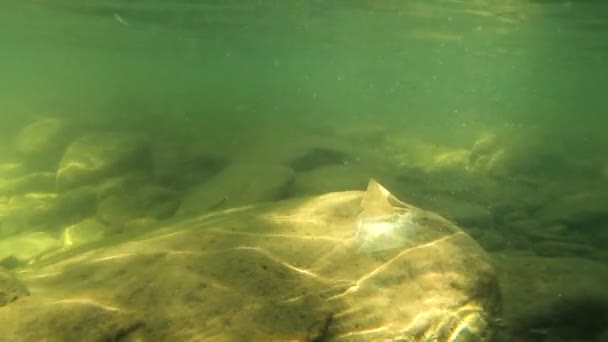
[249,274]
[113,187]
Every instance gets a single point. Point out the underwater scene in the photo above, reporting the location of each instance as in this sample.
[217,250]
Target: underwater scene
[304,170]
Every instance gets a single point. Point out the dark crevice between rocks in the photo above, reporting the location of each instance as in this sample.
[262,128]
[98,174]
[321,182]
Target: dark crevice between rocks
[194,171]
[11,288]
[318,157]
[287,191]
[571,318]
[284,193]
[125,334]
[594,224]
[320,331]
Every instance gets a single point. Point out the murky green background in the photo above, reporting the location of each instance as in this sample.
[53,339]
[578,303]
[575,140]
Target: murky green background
[252,78]
[441,64]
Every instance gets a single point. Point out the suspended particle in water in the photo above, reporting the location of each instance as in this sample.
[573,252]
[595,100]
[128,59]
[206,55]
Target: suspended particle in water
[120,19]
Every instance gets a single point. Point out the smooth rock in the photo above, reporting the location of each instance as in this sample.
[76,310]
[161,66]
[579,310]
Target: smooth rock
[37,137]
[319,157]
[41,143]
[85,231]
[11,288]
[284,271]
[35,182]
[485,145]
[29,209]
[464,213]
[179,164]
[331,178]
[27,246]
[72,206]
[91,158]
[78,319]
[455,161]
[485,153]
[238,185]
[148,201]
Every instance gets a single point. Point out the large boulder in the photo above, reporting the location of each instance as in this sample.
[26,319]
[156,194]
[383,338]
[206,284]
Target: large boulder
[350,266]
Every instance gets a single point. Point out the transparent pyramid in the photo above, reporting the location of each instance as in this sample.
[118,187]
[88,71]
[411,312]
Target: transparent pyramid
[385,222]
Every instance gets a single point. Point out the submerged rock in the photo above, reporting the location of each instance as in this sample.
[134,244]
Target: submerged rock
[238,185]
[30,209]
[85,231]
[35,182]
[41,143]
[291,270]
[179,165]
[11,288]
[143,202]
[23,248]
[485,153]
[330,178]
[465,213]
[70,207]
[94,157]
[319,157]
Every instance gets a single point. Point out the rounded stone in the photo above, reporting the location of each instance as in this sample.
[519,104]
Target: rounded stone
[98,156]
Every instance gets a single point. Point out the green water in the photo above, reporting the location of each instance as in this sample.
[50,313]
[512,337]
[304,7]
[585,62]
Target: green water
[392,85]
